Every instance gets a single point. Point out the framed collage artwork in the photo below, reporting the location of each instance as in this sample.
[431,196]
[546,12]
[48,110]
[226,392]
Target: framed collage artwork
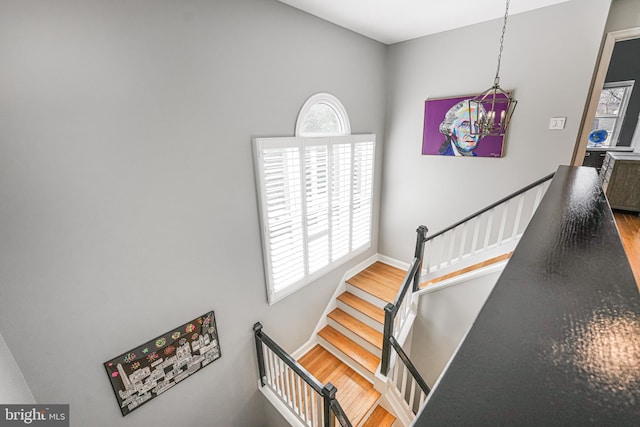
[149,370]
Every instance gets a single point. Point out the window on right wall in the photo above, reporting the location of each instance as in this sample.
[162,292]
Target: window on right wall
[612,107]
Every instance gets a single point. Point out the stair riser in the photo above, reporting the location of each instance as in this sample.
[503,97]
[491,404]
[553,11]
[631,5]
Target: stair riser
[346,359]
[360,316]
[355,338]
[366,296]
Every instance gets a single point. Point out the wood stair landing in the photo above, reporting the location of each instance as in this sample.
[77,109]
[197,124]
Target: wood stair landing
[466,270]
[380,418]
[380,280]
[355,394]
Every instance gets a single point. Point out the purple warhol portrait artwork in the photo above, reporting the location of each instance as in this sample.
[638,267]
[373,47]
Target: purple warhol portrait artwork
[447,130]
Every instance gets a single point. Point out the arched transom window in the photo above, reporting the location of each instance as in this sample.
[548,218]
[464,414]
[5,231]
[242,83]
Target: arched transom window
[323,115]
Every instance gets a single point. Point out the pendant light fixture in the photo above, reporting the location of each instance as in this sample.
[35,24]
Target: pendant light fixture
[491,111]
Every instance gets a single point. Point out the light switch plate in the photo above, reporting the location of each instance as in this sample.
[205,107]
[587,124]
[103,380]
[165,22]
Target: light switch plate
[557,123]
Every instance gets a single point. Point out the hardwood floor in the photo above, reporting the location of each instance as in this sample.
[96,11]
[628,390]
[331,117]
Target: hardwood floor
[380,418]
[629,226]
[355,394]
[380,280]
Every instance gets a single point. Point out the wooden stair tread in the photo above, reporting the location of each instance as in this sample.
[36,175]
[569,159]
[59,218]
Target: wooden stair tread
[466,270]
[380,280]
[380,418]
[369,361]
[358,327]
[355,394]
[364,307]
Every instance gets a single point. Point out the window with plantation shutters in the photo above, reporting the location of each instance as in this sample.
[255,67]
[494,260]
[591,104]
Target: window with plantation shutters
[316,199]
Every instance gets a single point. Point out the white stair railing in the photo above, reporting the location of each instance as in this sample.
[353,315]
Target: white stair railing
[304,400]
[490,232]
[406,386]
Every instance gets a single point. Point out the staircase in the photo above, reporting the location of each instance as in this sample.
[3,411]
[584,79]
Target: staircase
[354,370]
[354,333]
[354,328]
[350,345]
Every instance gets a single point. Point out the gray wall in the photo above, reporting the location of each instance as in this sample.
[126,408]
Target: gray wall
[625,65]
[625,14]
[444,318]
[127,190]
[548,60]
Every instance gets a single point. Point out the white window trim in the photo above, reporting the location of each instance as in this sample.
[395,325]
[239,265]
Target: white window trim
[274,296]
[623,109]
[334,103]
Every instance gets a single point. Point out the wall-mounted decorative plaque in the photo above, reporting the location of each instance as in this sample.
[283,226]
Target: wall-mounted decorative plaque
[144,372]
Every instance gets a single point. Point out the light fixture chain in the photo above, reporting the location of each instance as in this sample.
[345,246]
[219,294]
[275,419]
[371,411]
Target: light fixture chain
[504,30]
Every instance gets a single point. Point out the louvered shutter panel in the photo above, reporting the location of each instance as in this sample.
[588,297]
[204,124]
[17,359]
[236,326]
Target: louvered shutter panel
[340,200]
[362,194]
[316,205]
[316,175]
[283,203]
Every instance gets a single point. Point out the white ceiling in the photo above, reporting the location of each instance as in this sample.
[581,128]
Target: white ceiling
[392,21]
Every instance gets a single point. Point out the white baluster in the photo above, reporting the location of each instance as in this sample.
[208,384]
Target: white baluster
[294,390]
[443,248]
[405,373]
[516,224]
[265,357]
[451,245]
[305,401]
[290,391]
[505,213]
[319,409]
[284,381]
[539,192]
[276,377]
[299,401]
[274,374]
[412,394]
[396,372]
[463,240]
[314,409]
[427,256]
[277,374]
[487,235]
[476,231]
